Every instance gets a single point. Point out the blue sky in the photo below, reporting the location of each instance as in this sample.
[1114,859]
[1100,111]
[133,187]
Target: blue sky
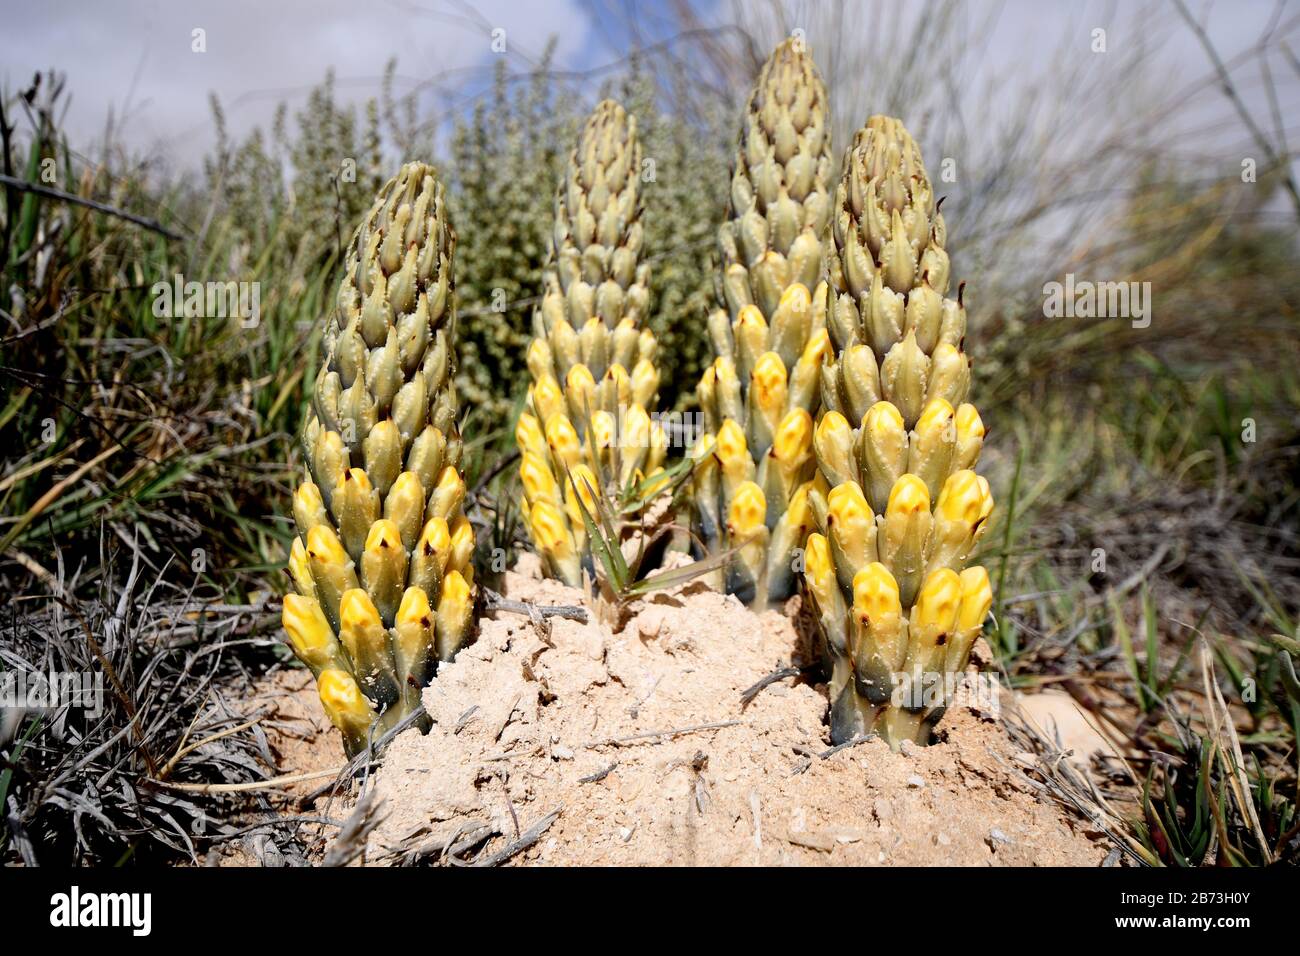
[134,57]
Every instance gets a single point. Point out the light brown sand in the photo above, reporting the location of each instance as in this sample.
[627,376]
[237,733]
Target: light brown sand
[520,721]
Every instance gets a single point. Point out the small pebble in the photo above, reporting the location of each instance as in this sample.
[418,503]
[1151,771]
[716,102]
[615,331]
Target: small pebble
[561,753]
[997,836]
[625,833]
[915,780]
[943,839]
[907,749]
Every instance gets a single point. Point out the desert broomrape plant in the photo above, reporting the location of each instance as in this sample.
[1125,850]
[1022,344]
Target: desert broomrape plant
[760,397]
[586,430]
[898,506]
[382,562]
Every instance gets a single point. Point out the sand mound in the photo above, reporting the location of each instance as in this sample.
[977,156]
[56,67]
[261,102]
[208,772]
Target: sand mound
[527,724]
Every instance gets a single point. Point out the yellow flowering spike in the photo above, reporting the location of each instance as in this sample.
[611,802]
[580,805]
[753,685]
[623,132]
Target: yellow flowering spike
[346,707]
[382,448]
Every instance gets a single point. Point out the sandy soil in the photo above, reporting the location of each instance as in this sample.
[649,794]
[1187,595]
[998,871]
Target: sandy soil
[528,723]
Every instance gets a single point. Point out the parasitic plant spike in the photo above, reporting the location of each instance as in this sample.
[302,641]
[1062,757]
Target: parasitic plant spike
[384,588]
[770,331]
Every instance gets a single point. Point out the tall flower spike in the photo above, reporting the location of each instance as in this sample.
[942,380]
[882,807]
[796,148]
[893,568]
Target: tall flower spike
[896,444]
[383,479]
[770,332]
[591,360]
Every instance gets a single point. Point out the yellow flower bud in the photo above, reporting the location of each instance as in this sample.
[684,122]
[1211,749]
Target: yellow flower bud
[582,487]
[768,384]
[528,435]
[547,398]
[793,440]
[309,507]
[550,531]
[645,382]
[875,597]
[345,706]
[970,437]
[309,632]
[404,506]
[455,605]
[963,498]
[300,569]
[535,475]
[976,598]
[360,627]
[909,496]
[833,440]
[603,429]
[383,567]
[939,601]
[580,385]
[563,440]
[748,510]
[462,545]
[448,494]
[818,569]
